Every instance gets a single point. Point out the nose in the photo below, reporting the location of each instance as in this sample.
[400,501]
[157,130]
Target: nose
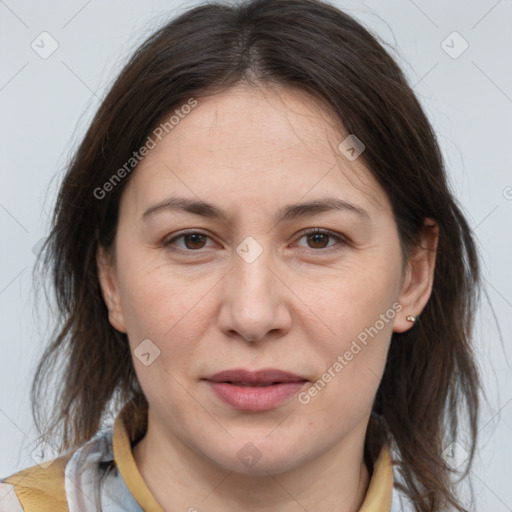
[254,300]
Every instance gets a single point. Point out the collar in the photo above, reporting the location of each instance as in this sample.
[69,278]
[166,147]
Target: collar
[377,499]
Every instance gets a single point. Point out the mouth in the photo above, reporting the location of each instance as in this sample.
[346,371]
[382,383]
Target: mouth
[255,391]
[259,378]
[253,385]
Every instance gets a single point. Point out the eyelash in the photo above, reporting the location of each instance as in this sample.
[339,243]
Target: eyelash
[341,240]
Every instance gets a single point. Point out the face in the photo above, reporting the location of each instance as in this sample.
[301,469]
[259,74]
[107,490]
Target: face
[254,287]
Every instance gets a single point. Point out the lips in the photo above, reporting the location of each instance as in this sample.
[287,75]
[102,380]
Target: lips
[258,391]
[260,378]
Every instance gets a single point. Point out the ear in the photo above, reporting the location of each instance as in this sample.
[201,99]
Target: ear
[419,276]
[110,290]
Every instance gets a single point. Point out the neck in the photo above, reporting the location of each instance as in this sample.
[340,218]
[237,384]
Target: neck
[180,479]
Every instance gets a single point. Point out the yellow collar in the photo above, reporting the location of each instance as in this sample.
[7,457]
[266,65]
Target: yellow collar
[125,462]
[378,497]
[379,494]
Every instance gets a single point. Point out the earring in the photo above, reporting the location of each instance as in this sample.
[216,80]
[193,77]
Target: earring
[411,318]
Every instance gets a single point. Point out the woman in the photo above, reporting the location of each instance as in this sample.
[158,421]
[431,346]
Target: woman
[257,258]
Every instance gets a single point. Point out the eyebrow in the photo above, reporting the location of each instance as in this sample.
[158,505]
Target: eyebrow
[287,212]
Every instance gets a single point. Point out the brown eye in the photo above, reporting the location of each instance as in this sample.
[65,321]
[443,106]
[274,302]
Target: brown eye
[192,241]
[318,240]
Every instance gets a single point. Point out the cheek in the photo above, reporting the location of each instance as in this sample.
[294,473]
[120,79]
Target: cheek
[359,313]
[344,305]
[164,310]
[352,370]
[171,310]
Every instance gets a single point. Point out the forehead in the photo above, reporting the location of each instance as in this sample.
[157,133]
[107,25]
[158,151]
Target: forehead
[253,144]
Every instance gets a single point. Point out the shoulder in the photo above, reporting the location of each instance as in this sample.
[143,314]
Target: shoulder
[60,483]
[39,487]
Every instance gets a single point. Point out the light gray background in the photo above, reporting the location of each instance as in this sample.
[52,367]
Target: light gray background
[46,104]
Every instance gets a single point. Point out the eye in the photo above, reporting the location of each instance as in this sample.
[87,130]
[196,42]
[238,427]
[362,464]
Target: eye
[319,238]
[193,240]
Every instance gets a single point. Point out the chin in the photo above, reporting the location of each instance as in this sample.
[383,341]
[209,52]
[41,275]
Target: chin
[246,457]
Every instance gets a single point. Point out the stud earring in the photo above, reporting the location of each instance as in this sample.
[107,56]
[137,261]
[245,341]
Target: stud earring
[411,318]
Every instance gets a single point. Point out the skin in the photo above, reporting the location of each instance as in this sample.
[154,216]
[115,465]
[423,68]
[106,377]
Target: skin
[297,307]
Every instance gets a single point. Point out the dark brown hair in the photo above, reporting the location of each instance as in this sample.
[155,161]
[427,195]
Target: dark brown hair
[430,379]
